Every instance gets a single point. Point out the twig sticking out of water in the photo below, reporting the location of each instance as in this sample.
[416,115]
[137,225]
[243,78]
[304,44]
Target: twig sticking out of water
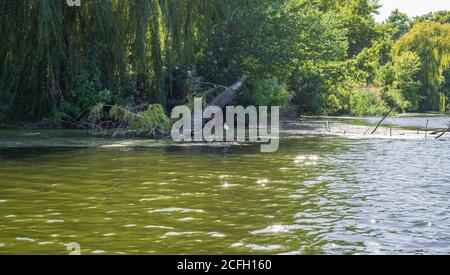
[384,117]
[327,125]
[426,129]
[443,133]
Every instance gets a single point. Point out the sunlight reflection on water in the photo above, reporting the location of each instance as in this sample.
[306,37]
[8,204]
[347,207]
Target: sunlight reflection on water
[316,195]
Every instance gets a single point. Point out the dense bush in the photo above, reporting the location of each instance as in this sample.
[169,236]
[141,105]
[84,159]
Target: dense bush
[269,92]
[367,102]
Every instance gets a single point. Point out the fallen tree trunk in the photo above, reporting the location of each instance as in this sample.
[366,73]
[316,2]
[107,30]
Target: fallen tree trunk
[222,100]
[103,116]
[227,96]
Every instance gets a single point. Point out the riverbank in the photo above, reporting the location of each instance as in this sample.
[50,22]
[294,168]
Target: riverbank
[397,128]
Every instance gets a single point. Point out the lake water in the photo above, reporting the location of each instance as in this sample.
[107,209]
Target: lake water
[316,195]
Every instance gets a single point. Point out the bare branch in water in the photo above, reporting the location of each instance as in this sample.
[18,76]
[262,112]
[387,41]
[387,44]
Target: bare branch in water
[443,133]
[381,121]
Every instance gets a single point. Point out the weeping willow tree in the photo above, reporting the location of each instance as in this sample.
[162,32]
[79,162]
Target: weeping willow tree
[58,59]
[431,42]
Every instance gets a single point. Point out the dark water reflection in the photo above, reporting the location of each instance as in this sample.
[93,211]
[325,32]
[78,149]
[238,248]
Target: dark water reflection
[314,196]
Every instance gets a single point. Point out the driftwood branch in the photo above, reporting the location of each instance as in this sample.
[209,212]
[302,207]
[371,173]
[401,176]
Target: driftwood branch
[443,133]
[384,117]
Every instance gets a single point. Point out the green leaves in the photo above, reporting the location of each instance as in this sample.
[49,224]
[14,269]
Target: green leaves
[430,42]
[270,92]
[65,60]
[150,122]
[66,56]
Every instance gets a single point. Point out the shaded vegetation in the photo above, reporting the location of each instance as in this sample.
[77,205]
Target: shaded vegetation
[78,65]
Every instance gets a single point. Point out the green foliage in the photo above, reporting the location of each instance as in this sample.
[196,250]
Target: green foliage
[406,67]
[396,98]
[308,89]
[272,40]
[399,82]
[357,16]
[385,77]
[69,54]
[269,92]
[430,41]
[442,17]
[117,113]
[398,24]
[333,104]
[65,60]
[442,103]
[367,102]
[370,59]
[75,105]
[56,118]
[151,121]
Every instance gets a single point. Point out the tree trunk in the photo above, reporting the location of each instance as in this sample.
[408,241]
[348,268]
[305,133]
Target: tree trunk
[228,95]
[222,100]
